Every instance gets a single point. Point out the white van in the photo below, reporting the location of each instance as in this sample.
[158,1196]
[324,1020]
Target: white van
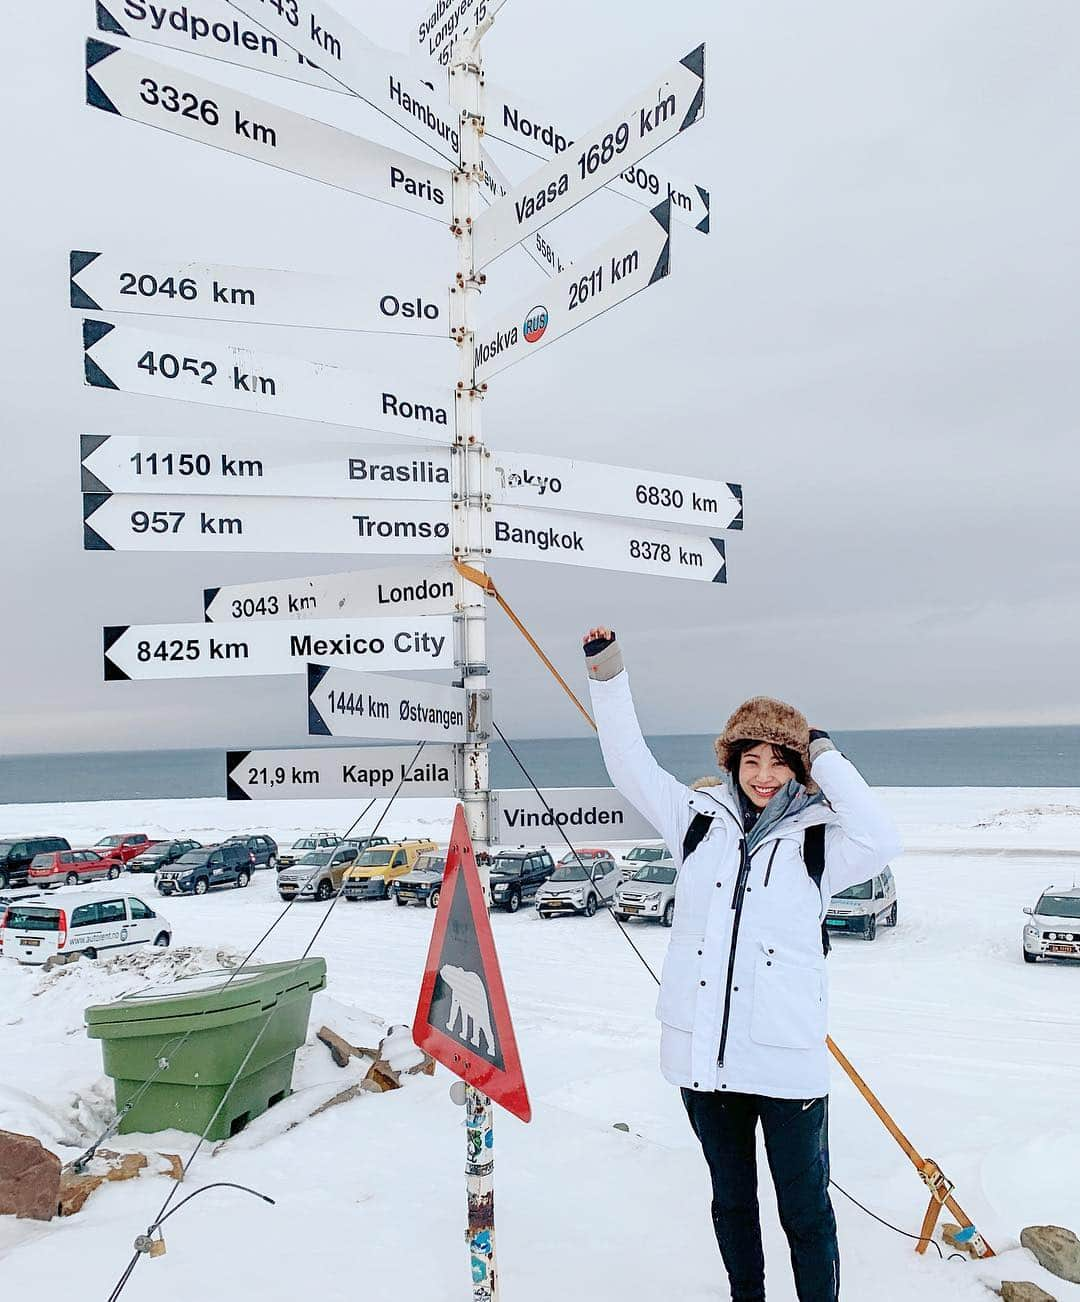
[73,920]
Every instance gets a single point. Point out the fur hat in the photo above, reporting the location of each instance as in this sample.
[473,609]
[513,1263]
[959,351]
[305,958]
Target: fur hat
[764,719]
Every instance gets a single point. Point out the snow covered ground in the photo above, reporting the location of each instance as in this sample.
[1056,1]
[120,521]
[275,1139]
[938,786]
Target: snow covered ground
[976,1054]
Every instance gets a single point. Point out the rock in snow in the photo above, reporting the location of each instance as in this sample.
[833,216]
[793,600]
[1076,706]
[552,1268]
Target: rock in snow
[1021,1291]
[29,1177]
[1055,1249]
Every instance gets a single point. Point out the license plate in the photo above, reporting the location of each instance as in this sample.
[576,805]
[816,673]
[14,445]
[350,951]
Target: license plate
[1061,949]
[29,940]
[835,922]
[631,908]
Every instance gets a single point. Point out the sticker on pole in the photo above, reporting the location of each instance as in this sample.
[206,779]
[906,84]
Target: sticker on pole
[463,1018]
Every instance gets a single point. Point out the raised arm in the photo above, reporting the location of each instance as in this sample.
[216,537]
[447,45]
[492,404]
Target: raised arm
[654,793]
[864,839]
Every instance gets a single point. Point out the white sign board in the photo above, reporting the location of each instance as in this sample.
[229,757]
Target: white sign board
[141,359]
[493,187]
[509,118]
[670,104]
[134,522]
[341,772]
[417,589]
[123,82]
[587,815]
[586,488]
[256,467]
[153,651]
[343,703]
[525,534]
[635,259]
[444,22]
[386,299]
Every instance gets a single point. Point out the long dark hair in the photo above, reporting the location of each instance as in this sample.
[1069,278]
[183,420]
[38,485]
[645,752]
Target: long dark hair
[785,754]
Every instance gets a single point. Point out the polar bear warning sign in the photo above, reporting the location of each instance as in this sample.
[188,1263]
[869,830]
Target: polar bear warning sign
[463,1018]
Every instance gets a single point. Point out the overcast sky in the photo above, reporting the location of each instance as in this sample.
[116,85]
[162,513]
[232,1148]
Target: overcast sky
[878,340]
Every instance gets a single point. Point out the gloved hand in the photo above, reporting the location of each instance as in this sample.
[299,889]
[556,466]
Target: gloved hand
[820,742]
[603,656]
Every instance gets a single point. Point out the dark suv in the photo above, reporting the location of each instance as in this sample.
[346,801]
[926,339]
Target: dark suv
[517,875]
[15,856]
[160,855]
[263,849]
[197,871]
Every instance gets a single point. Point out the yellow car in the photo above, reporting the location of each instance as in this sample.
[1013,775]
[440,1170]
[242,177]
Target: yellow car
[370,877]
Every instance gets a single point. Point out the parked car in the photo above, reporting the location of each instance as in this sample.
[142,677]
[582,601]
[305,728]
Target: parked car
[194,873]
[424,884]
[317,875]
[160,855]
[262,848]
[78,922]
[70,867]
[370,878]
[861,908]
[365,842]
[646,852]
[578,887]
[16,855]
[517,875]
[649,894]
[305,845]
[1054,929]
[123,847]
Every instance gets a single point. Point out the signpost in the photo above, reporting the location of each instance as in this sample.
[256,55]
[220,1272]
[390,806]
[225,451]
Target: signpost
[635,259]
[417,589]
[152,651]
[126,83]
[144,360]
[444,22]
[668,105]
[385,300]
[597,811]
[495,186]
[135,522]
[245,466]
[343,703]
[341,773]
[585,488]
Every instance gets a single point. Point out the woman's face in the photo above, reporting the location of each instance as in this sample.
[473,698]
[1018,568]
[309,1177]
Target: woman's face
[762,774]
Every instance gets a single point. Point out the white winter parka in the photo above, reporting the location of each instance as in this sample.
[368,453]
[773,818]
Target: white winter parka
[744,998]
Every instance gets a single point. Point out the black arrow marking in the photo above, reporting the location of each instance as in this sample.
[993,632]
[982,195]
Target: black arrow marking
[721,574]
[95,96]
[107,23]
[110,636]
[207,601]
[736,492]
[93,332]
[92,540]
[695,63]
[662,213]
[79,261]
[703,225]
[316,724]
[89,444]
[233,760]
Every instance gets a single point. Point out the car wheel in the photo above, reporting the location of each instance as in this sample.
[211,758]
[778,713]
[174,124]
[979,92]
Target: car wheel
[590,906]
[669,914]
[114,872]
[513,902]
[433,899]
[161,940]
[272,861]
[201,886]
[323,891]
[242,879]
[4,881]
[72,879]
[891,920]
[1030,958]
[619,917]
[398,900]
[89,953]
[870,932]
[544,914]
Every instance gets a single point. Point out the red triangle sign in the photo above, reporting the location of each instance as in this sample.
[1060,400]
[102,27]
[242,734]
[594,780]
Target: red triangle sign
[462,1018]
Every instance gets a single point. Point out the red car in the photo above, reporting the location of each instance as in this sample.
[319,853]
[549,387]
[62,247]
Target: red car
[70,868]
[123,847]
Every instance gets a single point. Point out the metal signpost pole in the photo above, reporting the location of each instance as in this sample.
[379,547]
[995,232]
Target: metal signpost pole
[470,508]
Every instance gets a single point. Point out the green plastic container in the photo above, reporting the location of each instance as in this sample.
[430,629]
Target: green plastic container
[141,1029]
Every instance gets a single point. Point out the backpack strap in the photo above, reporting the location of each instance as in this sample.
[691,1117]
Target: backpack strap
[814,858]
[695,834]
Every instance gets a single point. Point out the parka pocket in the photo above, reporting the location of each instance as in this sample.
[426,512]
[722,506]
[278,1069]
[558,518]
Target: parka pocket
[678,986]
[789,1005]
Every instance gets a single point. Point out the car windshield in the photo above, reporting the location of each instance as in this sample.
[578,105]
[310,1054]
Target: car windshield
[374,858]
[864,891]
[154,852]
[1060,906]
[315,860]
[663,874]
[5,848]
[570,872]
[193,857]
[508,864]
[110,842]
[305,843]
[40,860]
[430,863]
[647,853]
[27,919]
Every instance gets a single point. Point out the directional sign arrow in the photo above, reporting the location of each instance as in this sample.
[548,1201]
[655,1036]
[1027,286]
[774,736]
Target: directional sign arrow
[138,359]
[635,259]
[592,812]
[586,488]
[255,467]
[522,533]
[146,651]
[343,703]
[134,522]
[670,104]
[508,118]
[386,299]
[123,82]
[493,187]
[444,22]
[340,772]
[417,589]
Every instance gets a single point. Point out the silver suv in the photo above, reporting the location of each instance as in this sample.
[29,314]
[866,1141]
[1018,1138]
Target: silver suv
[318,874]
[1054,929]
[863,907]
[649,894]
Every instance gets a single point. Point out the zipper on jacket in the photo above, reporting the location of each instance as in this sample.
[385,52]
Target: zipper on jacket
[736,903]
[768,868]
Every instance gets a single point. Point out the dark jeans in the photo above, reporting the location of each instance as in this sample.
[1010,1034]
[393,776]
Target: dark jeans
[797,1144]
